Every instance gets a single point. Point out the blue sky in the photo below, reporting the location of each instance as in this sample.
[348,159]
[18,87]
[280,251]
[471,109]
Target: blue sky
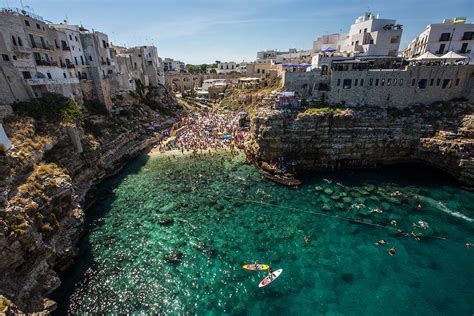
[200,31]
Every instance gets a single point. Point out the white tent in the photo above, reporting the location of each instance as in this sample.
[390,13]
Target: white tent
[427,56]
[452,55]
[4,139]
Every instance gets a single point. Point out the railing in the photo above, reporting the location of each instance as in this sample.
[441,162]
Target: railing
[71,66]
[21,49]
[467,51]
[44,81]
[66,48]
[46,63]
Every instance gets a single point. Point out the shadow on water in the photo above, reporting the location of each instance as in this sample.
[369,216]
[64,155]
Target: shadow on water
[105,197]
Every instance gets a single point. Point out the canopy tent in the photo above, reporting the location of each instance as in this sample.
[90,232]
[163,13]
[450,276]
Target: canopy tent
[297,65]
[243,113]
[452,55]
[426,56]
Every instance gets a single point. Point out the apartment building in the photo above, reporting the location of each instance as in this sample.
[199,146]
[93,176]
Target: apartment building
[40,57]
[227,67]
[170,64]
[439,38]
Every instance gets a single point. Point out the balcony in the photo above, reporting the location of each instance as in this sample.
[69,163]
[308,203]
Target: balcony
[67,48]
[21,49]
[467,51]
[70,66]
[46,63]
[46,81]
[42,46]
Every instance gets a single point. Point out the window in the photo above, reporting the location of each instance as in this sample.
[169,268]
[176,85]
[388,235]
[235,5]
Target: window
[56,43]
[371,81]
[413,81]
[376,82]
[395,81]
[445,37]
[90,58]
[457,81]
[82,60]
[13,40]
[468,36]
[365,30]
[400,82]
[356,81]
[70,37]
[27,23]
[346,84]
[446,83]
[104,44]
[64,75]
[76,38]
[360,31]
[20,42]
[371,41]
[5,57]
[361,82]
[441,48]
[431,82]
[258,71]
[389,82]
[33,43]
[26,74]
[422,83]
[14,57]
[75,60]
[49,75]
[38,26]
[338,82]
[438,82]
[382,83]
[463,48]
[263,71]
[395,39]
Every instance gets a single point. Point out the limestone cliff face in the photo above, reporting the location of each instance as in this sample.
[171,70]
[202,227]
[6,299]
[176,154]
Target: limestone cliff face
[328,139]
[44,181]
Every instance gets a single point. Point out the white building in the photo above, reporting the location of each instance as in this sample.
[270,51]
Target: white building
[170,64]
[227,67]
[439,38]
[372,36]
[331,41]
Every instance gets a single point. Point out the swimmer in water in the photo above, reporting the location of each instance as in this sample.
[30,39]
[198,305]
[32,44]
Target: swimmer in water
[392,251]
[381,242]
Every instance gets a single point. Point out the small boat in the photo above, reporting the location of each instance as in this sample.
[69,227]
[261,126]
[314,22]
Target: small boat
[269,279]
[281,179]
[252,267]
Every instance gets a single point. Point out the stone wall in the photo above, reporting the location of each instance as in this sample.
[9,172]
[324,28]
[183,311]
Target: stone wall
[305,84]
[366,137]
[12,87]
[415,85]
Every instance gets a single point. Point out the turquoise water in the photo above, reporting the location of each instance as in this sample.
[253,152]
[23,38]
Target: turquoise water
[171,236]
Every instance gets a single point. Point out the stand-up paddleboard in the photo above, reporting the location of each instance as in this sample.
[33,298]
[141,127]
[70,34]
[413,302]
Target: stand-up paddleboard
[269,279]
[252,267]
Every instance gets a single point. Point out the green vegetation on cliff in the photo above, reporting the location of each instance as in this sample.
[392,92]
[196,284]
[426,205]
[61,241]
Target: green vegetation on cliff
[51,107]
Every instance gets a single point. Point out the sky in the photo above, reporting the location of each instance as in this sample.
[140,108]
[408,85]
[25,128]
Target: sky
[203,31]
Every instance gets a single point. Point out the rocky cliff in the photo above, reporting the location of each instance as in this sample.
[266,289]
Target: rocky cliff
[44,181]
[439,135]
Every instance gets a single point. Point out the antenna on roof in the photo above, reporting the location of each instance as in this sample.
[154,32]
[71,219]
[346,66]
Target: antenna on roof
[21,3]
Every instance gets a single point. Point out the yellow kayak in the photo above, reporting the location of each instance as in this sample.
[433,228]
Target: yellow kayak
[253,268]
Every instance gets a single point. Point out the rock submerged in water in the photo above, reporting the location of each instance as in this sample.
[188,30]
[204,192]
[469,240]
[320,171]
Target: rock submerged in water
[174,256]
[166,221]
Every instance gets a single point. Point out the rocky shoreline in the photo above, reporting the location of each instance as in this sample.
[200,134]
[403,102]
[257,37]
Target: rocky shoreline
[440,135]
[46,183]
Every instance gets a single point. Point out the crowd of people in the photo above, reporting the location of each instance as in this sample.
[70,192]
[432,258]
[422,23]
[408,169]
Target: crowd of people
[209,130]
